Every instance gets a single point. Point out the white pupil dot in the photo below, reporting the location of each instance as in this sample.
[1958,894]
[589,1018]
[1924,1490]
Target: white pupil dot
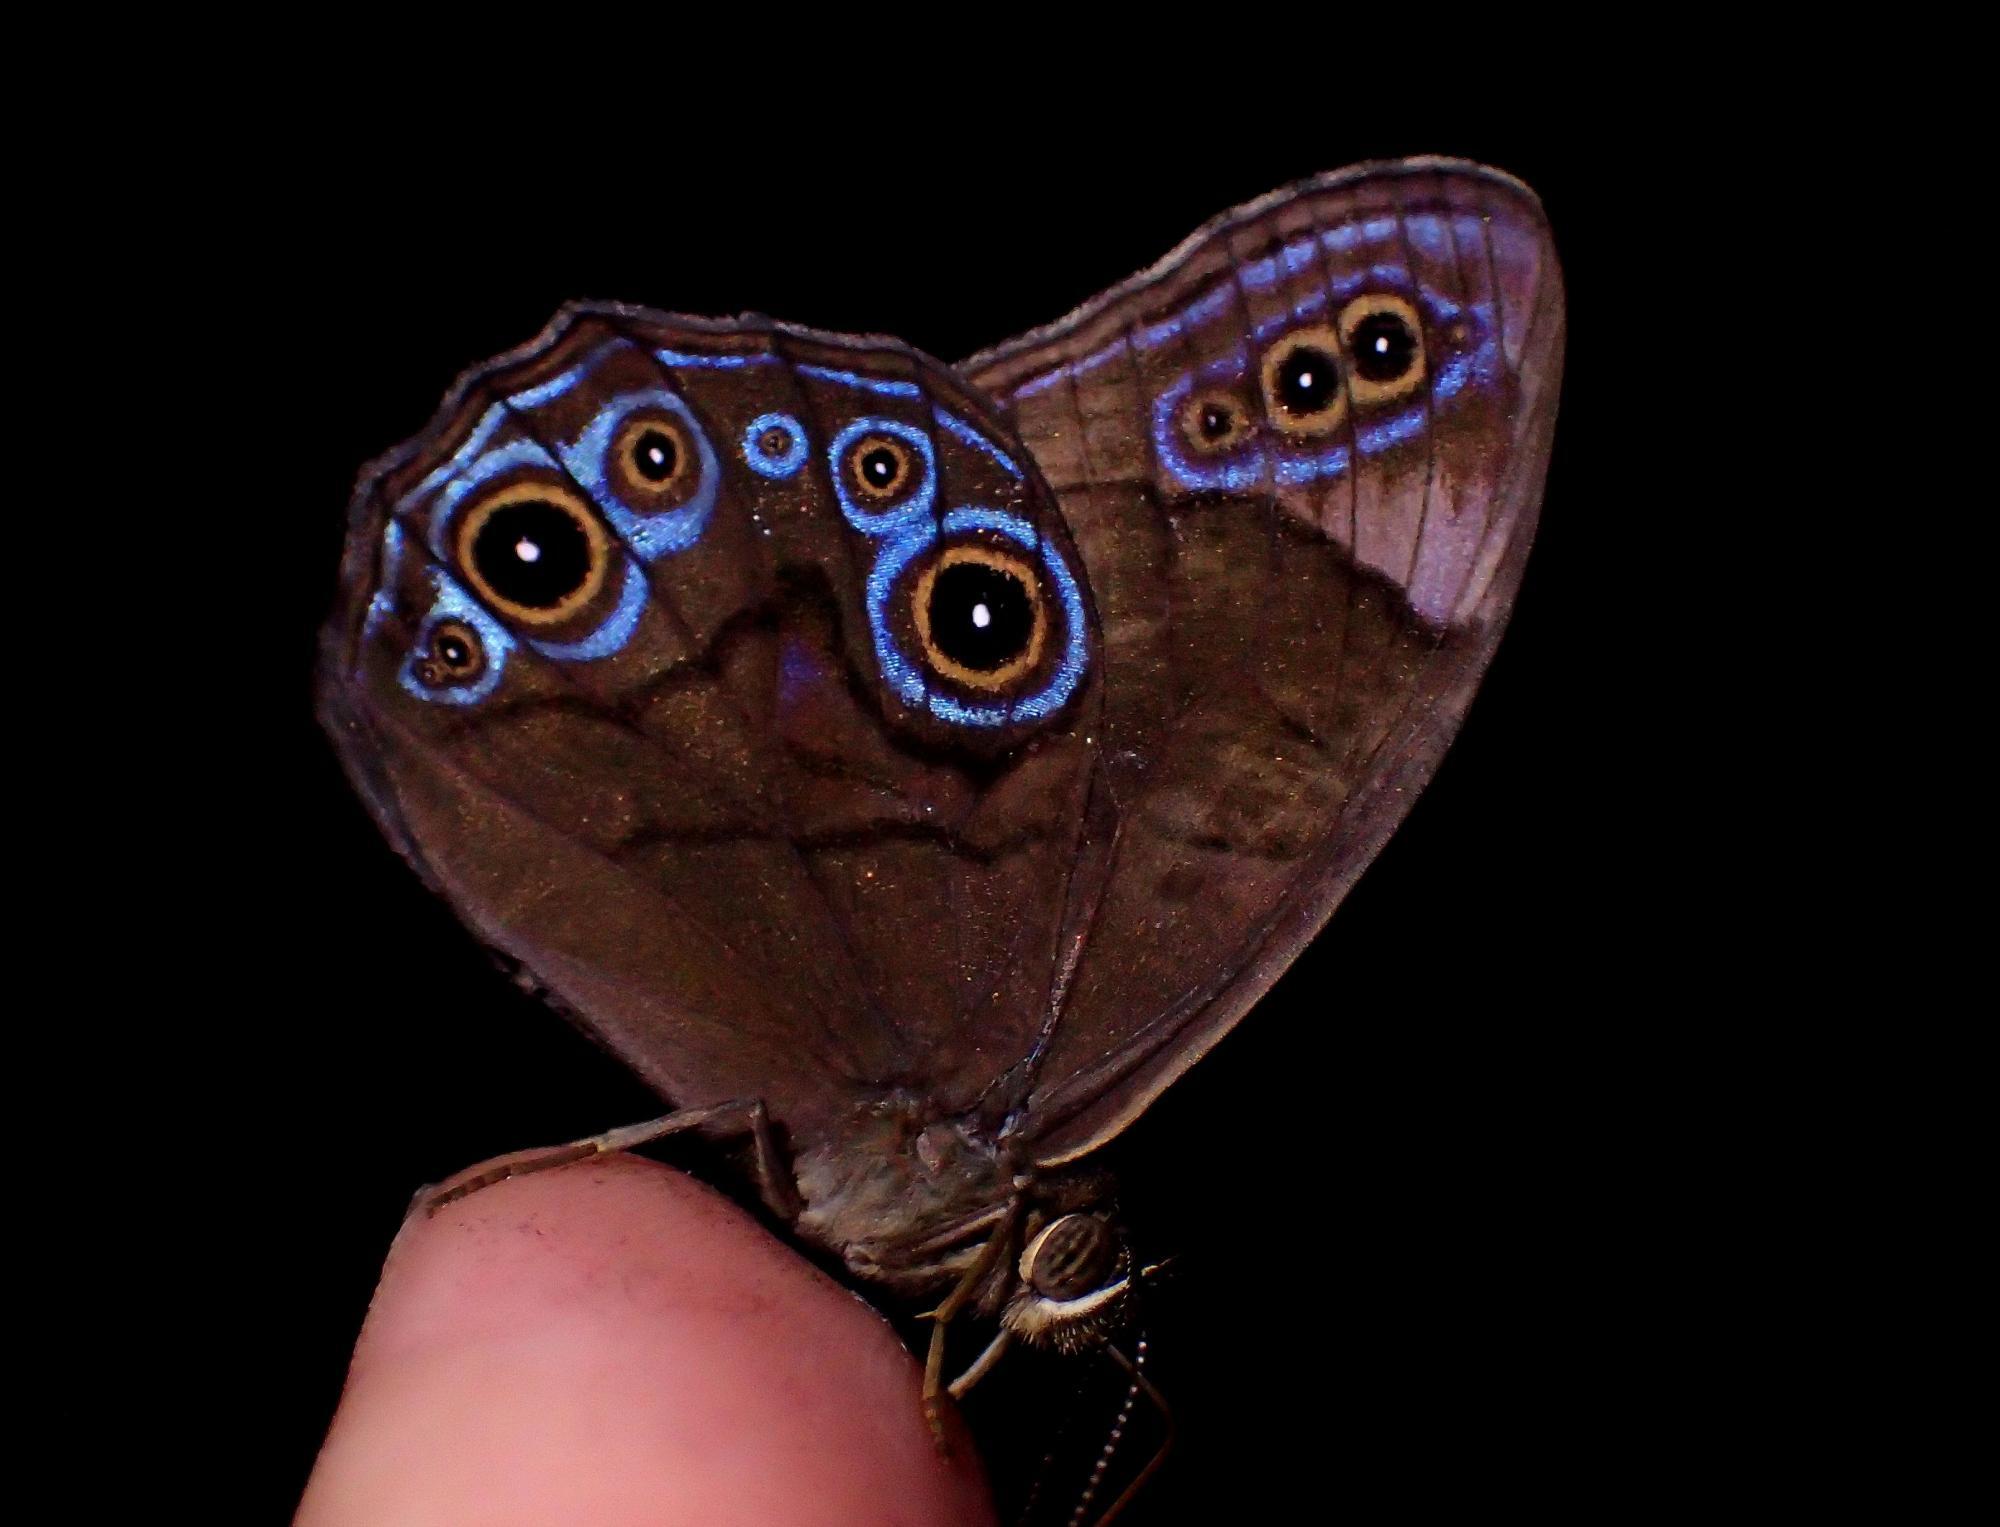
[1305,379]
[1382,344]
[981,616]
[527,550]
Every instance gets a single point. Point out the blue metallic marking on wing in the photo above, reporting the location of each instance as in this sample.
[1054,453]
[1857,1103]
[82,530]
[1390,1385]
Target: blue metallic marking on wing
[454,603]
[651,536]
[726,362]
[963,431]
[906,678]
[383,602]
[914,510]
[868,383]
[794,457]
[614,633]
[1042,383]
[901,674]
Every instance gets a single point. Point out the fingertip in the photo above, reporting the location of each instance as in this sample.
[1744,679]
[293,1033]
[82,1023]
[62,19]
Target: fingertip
[612,1342]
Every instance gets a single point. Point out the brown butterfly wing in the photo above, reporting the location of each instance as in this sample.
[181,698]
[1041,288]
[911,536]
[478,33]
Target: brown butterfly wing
[1299,583]
[697,808]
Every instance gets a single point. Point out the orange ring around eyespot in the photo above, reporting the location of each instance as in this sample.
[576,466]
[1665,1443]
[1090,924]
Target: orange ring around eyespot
[905,466]
[629,477]
[1364,391]
[528,493]
[1190,423]
[999,561]
[1325,420]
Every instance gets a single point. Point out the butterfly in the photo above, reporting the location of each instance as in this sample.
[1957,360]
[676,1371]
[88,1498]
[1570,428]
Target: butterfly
[917,768]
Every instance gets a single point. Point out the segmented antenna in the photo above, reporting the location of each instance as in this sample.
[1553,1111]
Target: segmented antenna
[1111,1442]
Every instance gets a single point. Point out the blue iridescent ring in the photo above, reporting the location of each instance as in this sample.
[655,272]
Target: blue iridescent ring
[756,445]
[914,510]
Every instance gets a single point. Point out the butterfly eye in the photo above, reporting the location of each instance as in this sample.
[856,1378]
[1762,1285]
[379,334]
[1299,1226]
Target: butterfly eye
[1303,392]
[534,552]
[1213,422]
[880,468]
[1072,1257]
[980,616]
[653,458]
[1384,341]
[453,656]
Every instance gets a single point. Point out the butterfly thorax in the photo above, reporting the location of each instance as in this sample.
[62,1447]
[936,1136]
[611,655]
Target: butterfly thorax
[904,1199]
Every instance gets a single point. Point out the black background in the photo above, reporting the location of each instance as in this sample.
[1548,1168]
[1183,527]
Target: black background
[1407,1196]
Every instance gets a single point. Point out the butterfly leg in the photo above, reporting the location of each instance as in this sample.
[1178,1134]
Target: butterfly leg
[997,1246]
[744,1116]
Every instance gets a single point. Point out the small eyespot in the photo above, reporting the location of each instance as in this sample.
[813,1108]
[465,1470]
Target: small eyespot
[533,551]
[652,458]
[1303,391]
[880,468]
[1213,422]
[1384,340]
[980,616]
[774,445]
[453,656]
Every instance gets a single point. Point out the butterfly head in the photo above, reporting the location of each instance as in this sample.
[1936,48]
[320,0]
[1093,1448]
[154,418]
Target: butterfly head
[1076,1283]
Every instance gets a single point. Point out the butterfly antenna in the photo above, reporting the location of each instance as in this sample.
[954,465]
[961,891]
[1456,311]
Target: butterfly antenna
[1134,1367]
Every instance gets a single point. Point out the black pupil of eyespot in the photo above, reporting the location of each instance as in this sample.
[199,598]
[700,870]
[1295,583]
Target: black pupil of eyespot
[1308,381]
[532,553]
[981,617]
[654,455]
[774,442]
[879,467]
[454,650]
[1214,421]
[1383,347]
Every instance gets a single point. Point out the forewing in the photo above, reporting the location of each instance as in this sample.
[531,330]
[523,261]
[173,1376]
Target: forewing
[721,809]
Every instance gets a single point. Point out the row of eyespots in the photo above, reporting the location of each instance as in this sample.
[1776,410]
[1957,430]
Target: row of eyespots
[533,551]
[1372,355]
[1386,359]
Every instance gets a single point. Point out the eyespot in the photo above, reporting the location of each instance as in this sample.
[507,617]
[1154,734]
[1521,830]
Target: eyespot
[652,459]
[533,551]
[980,616]
[884,474]
[1303,391]
[1213,422]
[1071,1257]
[453,656]
[774,445]
[879,467]
[1384,341]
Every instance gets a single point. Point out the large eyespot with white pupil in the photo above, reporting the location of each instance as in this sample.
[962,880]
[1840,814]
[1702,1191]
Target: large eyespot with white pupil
[1383,337]
[978,620]
[1303,390]
[981,616]
[533,551]
[884,474]
[1212,423]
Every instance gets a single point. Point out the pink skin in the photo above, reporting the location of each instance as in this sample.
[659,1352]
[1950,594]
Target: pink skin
[613,1343]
